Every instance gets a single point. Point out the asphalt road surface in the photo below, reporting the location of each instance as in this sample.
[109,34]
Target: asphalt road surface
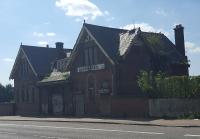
[67,130]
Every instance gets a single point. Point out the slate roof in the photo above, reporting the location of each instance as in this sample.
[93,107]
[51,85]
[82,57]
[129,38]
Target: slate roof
[40,58]
[108,38]
[160,45]
[116,42]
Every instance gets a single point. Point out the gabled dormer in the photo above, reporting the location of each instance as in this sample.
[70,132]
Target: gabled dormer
[22,68]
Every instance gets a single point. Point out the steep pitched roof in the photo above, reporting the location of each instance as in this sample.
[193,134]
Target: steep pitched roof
[40,58]
[108,38]
[116,42]
[160,45]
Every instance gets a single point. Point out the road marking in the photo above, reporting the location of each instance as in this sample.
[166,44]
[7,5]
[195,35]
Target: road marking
[8,133]
[89,129]
[191,135]
[47,137]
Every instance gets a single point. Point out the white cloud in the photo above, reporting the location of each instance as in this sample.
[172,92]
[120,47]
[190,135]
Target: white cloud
[51,34]
[8,60]
[161,12]
[80,8]
[38,34]
[78,20]
[42,43]
[192,47]
[106,13]
[146,27]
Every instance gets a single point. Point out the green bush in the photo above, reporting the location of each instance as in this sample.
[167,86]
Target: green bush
[160,86]
[192,115]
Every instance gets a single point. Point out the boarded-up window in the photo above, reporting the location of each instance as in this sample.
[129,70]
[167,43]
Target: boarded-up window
[23,68]
[91,87]
[33,95]
[95,55]
[23,95]
[91,56]
[27,95]
[86,57]
[17,95]
[20,95]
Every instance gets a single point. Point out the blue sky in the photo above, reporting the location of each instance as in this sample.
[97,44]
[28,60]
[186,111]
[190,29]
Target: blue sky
[37,22]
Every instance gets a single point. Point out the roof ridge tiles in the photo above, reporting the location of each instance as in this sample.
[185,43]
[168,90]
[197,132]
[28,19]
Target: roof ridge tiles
[106,27]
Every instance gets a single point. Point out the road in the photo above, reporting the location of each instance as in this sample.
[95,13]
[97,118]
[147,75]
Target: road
[67,130]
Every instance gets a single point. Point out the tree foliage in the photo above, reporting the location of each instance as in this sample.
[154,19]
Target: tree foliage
[6,93]
[160,86]
[145,81]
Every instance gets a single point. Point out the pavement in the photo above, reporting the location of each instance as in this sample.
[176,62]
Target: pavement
[75,130]
[144,122]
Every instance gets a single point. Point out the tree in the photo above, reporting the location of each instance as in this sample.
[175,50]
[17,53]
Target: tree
[6,93]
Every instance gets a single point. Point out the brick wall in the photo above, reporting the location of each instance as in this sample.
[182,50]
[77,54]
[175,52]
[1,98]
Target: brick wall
[27,109]
[129,107]
[7,109]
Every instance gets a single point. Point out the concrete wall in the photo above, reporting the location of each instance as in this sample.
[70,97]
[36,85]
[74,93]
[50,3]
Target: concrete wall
[6,109]
[144,107]
[173,107]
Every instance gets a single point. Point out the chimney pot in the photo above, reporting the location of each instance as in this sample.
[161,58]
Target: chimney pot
[59,45]
[60,50]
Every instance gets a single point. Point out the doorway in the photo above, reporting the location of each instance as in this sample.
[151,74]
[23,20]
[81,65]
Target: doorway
[57,104]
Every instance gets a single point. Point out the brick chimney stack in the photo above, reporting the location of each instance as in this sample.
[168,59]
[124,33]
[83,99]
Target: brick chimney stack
[60,50]
[179,39]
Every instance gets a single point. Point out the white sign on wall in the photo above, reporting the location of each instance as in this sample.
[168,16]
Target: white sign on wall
[91,68]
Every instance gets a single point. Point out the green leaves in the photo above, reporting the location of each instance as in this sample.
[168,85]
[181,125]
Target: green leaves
[6,93]
[160,86]
[145,81]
